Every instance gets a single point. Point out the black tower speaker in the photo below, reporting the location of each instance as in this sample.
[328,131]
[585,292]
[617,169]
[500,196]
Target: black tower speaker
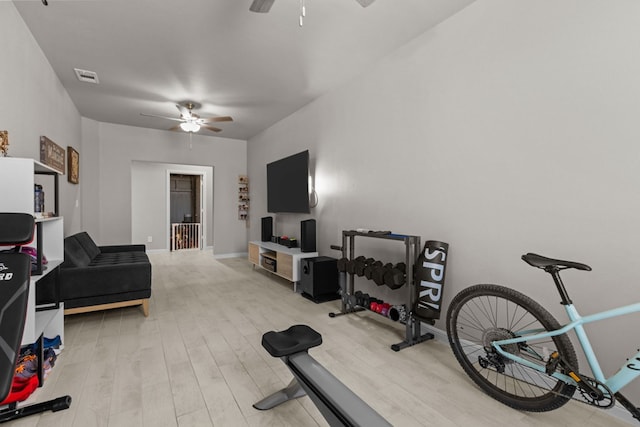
[319,278]
[308,235]
[267,228]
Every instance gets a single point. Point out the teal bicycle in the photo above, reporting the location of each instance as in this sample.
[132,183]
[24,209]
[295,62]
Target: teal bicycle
[519,354]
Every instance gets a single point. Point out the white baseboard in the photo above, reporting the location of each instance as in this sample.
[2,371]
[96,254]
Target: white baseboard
[157,251]
[231,255]
[438,334]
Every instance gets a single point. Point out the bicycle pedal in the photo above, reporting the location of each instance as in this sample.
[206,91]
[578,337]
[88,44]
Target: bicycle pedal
[552,363]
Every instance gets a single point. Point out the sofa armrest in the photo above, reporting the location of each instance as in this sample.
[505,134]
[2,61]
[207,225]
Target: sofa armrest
[123,248]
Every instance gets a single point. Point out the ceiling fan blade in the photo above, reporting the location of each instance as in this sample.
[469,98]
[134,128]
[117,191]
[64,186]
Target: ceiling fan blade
[162,117]
[216,119]
[261,6]
[184,111]
[211,128]
[365,3]
[176,128]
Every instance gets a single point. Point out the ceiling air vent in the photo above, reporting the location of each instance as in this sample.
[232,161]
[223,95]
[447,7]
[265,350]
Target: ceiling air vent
[86,76]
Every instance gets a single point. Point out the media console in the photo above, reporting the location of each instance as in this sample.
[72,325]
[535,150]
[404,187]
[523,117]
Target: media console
[280,260]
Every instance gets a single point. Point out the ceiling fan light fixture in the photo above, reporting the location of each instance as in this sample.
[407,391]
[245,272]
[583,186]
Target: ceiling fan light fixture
[190,127]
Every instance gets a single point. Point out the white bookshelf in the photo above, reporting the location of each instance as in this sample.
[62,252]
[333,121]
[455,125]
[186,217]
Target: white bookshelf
[17,179]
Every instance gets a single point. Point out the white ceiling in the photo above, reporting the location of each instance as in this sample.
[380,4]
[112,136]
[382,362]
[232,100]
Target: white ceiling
[257,68]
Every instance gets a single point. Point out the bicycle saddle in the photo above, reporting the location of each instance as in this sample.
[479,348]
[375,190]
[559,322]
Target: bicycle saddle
[545,263]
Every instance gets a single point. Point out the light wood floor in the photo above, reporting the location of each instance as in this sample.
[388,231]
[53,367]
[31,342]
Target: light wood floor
[197,360]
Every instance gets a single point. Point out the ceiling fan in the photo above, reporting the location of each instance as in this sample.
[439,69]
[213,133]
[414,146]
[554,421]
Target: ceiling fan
[263,6]
[191,122]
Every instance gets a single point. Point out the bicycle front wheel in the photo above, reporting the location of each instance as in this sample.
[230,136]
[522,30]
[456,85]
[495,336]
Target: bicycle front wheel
[484,313]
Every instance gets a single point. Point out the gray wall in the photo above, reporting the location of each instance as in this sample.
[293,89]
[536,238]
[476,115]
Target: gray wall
[110,169]
[34,103]
[149,193]
[511,127]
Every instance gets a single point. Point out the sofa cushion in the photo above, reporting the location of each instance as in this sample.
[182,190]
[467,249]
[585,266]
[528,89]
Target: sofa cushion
[120,258]
[88,244]
[74,254]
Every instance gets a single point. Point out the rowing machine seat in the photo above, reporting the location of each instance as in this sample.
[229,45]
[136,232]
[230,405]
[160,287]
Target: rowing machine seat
[294,340]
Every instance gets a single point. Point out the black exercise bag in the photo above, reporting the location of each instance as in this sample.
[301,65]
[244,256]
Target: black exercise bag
[429,278]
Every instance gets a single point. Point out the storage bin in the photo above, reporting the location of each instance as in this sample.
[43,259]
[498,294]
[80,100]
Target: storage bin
[269,264]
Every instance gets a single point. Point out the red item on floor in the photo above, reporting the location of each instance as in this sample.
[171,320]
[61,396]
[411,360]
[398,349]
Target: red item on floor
[21,389]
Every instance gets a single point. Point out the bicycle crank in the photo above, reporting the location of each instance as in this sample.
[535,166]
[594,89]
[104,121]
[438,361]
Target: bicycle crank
[593,391]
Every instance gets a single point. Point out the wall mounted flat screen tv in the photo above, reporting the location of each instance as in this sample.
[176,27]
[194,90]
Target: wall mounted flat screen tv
[288,184]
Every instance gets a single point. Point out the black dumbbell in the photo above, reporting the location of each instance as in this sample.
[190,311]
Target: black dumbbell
[378,273]
[351,265]
[350,301]
[368,270]
[342,264]
[361,264]
[359,298]
[366,300]
[395,277]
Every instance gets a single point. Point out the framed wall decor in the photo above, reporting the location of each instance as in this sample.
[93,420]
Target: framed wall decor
[51,154]
[4,143]
[73,160]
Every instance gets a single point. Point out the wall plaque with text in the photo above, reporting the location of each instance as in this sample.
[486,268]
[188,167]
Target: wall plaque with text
[51,154]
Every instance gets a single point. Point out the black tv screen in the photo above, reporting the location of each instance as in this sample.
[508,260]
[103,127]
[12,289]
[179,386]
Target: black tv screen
[288,184]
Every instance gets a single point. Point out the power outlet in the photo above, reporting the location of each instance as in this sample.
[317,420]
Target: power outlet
[149,239]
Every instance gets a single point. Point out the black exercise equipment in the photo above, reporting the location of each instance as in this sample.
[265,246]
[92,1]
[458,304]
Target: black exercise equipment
[398,313]
[368,270]
[395,277]
[351,265]
[366,300]
[429,278]
[342,264]
[377,275]
[413,323]
[337,403]
[15,272]
[361,264]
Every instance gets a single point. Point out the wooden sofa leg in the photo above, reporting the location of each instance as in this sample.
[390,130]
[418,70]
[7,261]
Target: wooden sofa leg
[145,307]
[143,302]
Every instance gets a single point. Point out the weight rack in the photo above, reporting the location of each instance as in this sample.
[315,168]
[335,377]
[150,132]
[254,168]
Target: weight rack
[413,334]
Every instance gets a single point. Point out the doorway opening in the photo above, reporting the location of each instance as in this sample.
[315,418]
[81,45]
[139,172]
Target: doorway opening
[185,207]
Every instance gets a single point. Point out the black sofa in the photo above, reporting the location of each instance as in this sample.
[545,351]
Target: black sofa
[102,277]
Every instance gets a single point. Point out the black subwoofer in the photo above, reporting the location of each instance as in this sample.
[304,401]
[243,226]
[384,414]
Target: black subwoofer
[319,279]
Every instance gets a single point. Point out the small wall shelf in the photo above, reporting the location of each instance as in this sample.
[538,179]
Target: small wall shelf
[243,197]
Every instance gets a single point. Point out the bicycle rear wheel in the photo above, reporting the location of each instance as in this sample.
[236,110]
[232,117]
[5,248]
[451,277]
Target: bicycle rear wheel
[484,313]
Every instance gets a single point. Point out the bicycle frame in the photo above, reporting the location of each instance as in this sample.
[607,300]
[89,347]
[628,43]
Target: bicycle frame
[629,371]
